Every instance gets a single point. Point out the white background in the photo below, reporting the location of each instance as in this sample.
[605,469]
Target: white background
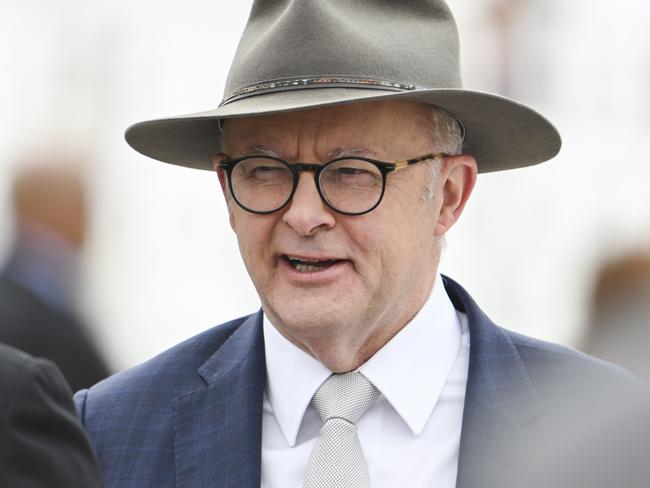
[162,264]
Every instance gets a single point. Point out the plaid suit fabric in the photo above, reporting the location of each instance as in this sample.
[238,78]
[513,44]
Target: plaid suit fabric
[192,416]
[181,418]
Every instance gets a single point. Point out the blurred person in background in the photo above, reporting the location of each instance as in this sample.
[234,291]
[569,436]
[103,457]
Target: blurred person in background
[618,331]
[346,148]
[42,443]
[38,283]
[619,326]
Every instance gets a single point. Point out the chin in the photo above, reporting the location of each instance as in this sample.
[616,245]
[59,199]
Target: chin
[317,319]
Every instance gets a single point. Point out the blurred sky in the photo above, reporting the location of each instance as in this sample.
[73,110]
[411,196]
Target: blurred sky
[162,263]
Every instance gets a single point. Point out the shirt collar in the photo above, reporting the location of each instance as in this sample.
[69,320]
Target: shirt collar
[292,378]
[410,370]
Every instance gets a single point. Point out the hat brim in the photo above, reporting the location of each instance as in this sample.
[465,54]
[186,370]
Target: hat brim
[500,133]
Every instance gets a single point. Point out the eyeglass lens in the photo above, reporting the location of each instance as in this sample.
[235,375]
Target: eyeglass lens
[348,185]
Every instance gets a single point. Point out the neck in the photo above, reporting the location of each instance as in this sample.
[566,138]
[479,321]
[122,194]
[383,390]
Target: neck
[342,352]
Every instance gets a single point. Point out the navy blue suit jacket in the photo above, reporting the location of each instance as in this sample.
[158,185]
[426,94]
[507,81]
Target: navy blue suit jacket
[192,416]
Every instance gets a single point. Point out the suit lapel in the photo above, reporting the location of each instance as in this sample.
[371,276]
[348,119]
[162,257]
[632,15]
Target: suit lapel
[219,426]
[500,398]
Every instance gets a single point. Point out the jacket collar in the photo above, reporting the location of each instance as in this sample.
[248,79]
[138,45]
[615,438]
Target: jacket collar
[500,397]
[218,427]
[500,400]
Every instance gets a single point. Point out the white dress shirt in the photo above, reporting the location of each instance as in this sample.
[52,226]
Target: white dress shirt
[410,437]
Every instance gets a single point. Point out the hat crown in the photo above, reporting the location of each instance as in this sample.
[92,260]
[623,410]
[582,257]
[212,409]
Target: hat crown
[408,43]
[304,54]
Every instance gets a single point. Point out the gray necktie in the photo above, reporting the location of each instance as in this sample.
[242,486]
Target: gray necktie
[337,459]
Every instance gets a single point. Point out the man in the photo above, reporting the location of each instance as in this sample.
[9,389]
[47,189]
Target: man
[39,281]
[346,149]
[42,443]
[618,328]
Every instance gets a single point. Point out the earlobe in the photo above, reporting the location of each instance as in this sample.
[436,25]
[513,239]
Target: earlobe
[458,177]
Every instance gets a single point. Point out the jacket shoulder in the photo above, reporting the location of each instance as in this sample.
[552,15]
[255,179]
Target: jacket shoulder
[563,363]
[171,372]
[554,363]
[130,416]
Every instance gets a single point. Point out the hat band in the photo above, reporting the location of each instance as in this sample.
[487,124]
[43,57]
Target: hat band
[310,82]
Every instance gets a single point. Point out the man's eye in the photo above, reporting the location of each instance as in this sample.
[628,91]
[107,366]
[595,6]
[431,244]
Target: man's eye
[266,169]
[352,171]
[267,173]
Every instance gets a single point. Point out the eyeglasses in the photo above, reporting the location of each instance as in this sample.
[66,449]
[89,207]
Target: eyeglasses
[350,185]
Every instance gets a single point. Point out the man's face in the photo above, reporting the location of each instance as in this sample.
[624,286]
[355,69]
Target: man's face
[379,267]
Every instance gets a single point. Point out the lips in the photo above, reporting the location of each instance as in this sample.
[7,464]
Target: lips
[310,265]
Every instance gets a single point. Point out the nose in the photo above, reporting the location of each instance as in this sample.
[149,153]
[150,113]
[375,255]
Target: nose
[307,214]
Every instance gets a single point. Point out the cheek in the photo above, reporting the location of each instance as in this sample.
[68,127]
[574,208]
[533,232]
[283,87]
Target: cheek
[253,235]
[407,234]
[376,248]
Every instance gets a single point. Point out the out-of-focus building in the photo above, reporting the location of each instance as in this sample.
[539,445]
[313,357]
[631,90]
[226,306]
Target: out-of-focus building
[38,283]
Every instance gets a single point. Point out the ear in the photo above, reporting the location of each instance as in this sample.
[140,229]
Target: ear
[216,161]
[223,181]
[456,181]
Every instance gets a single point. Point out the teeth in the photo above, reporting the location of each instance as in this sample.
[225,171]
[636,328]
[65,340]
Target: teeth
[308,266]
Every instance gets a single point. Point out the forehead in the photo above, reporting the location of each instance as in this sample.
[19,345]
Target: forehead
[368,123]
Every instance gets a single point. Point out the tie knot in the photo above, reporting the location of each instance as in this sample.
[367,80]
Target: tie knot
[346,396]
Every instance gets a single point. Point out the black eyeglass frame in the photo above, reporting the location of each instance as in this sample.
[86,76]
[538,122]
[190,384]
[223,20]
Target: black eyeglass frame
[384,168]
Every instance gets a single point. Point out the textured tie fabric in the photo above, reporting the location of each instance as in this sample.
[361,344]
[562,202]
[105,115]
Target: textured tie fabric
[337,459]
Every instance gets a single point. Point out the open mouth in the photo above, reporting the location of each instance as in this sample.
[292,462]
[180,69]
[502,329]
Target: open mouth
[303,265]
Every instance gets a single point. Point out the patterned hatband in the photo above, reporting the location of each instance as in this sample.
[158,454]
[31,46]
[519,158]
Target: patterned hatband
[308,82]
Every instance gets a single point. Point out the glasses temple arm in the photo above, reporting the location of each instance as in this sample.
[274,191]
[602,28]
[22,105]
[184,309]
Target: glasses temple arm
[406,162]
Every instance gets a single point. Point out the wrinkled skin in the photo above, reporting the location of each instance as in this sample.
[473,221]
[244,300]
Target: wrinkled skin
[386,260]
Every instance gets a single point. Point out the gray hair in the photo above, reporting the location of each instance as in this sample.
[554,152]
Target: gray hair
[443,129]
[446,133]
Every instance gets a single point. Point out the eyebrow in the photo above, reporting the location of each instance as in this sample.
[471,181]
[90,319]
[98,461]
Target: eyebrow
[342,152]
[258,149]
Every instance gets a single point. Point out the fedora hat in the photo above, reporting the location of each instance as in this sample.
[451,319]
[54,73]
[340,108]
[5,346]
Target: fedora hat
[302,54]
